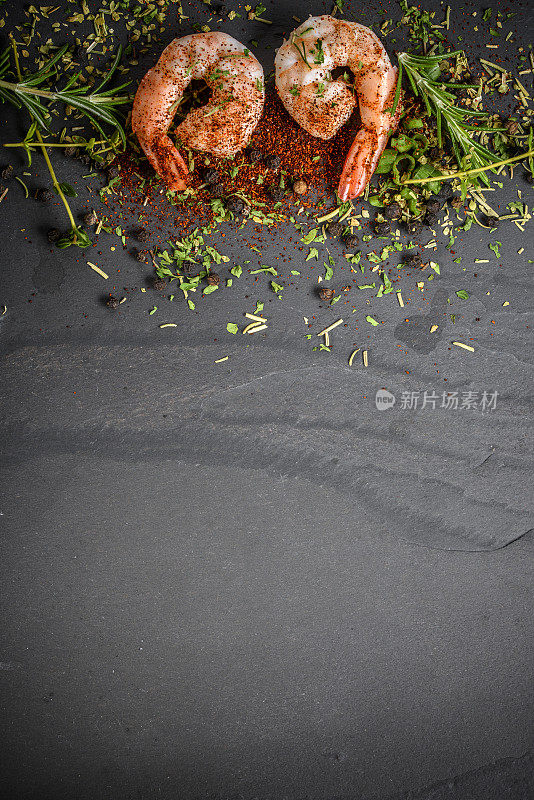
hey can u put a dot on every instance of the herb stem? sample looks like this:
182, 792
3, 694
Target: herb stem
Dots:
54, 179
53, 144
43, 146
19, 88
466, 173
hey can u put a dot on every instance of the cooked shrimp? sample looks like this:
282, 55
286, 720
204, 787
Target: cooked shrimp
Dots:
321, 105
223, 126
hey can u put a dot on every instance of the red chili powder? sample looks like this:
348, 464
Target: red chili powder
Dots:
317, 161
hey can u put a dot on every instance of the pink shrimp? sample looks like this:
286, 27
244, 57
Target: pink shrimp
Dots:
223, 126
321, 105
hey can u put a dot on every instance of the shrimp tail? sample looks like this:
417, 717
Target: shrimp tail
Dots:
167, 162
365, 152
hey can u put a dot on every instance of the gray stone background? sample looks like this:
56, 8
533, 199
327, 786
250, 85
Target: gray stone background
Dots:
241, 580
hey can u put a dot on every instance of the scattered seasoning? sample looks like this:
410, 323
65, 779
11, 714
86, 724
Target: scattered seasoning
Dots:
243, 185
25, 188
365, 358
220, 360
464, 346
169, 325
351, 357
97, 269
255, 318
433, 328
330, 327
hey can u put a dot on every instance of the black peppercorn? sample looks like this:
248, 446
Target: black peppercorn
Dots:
113, 302
113, 172
53, 235
433, 205
79, 52
446, 191
235, 205
255, 155
43, 195
415, 226
273, 162
382, 228
6, 173
142, 235
141, 255
529, 177
335, 229
90, 219
276, 193
350, 240
430, 219
159, 284
213, 279
210, 175
325, 293
300, 187
392, 211
216, 191
490, 220
71, 151
413, 260
456, 202
85, 160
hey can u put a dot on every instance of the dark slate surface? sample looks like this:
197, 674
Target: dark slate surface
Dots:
240, 580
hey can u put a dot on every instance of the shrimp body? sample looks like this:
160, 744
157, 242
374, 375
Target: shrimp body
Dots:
321, 105
223, 126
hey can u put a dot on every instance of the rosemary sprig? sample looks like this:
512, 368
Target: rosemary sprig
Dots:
97, 105
423, 74
75, 235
